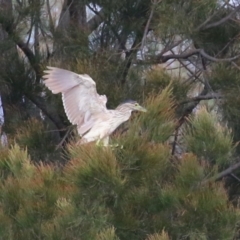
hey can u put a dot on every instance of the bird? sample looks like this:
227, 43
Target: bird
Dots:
85, 108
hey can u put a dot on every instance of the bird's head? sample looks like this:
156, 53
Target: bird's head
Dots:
132, 105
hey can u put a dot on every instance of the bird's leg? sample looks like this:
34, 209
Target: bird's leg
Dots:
98, 143
116, 145
105, 141
101, 143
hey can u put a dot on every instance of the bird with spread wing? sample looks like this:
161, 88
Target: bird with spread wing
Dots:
85, 107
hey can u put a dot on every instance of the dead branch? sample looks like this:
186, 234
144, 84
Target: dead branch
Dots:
50, 113
159, 59
223, 20
95, 21
51, 22
146, 29
204, 24
30, 56
187, 111
225, 172
201, 98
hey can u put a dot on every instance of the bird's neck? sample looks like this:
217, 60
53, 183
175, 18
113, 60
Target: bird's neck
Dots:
123, 113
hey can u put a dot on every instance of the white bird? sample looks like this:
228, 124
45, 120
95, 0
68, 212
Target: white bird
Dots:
85, 107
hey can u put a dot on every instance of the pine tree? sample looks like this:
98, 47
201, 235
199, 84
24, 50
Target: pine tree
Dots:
176, 175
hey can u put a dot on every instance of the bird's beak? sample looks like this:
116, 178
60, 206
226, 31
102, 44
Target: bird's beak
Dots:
141, 109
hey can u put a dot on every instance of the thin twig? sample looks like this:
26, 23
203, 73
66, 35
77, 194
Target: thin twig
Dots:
201, 26
70, 129
204, 54
147, 27
51, 23
162, 59
235, 177
225, 172
65, 12
235, 65
223, 20
201, 98
95, 21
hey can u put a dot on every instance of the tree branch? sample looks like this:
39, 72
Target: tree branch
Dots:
162, 59
51, 114
200, 27
170, 45
51, 22
30, 56
187, 111
201, 98
96, 20
146, 29
223, 20
129, 57
213, 59
165, 58
225, 172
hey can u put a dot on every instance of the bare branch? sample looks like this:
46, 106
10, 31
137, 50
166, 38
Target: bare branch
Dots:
211, 17
129, 58
122, 40
51, 23
30, 56
69, 130
162, 59
213, 59
225, 172
195, 75
223, 20
95, 21
203, 97
193, 102
170, 45
147, 25
235, 177
187, 111
30, 31
235, 65
50, 113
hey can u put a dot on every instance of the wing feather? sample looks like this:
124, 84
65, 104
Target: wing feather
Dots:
80, 99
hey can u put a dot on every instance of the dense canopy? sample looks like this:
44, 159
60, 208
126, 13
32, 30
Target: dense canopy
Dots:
177, 175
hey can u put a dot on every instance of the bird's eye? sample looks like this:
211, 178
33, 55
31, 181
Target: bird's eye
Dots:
136, 104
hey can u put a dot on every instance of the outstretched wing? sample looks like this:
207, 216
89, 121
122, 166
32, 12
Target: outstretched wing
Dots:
80, 98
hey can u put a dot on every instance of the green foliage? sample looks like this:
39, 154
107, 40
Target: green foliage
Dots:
102, 193
199, 203
190, 173
107, 234
196, 12
208, 139
215, 40
38, 139
28, 194
135, 192
157, 236
138, 190
159, 121
158, 79
225, 78
15, 162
